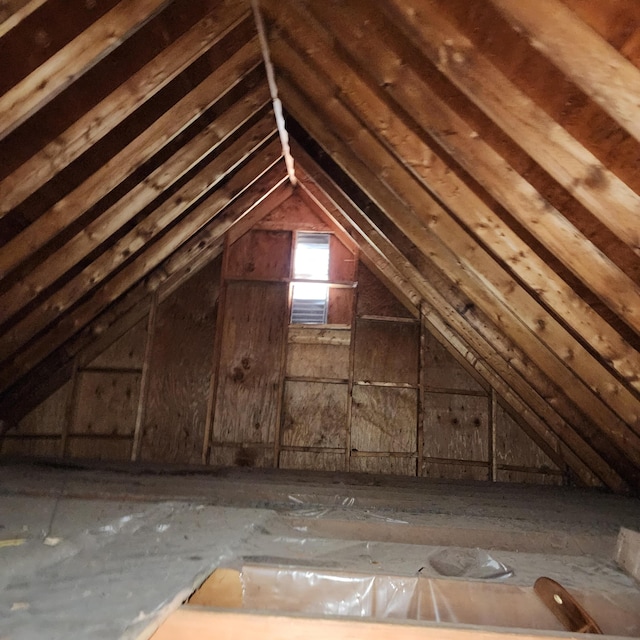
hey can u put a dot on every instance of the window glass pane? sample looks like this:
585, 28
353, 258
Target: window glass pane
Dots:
311, 261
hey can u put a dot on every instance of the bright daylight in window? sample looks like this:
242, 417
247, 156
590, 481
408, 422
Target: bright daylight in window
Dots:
311, 262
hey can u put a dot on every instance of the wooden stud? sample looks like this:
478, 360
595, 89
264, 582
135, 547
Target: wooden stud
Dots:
99, 231
577, 452
525, 204
144, 263
134, 155
144, 380
606, 76
109, 113
605, 195
80, 55
444, 240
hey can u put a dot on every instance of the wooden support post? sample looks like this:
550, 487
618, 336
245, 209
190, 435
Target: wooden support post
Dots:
144, 380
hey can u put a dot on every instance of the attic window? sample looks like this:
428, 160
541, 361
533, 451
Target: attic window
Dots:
309, 300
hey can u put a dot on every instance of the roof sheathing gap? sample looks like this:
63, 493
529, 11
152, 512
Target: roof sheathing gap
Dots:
273, 89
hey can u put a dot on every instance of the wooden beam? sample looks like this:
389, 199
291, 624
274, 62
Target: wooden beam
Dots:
441, 238
142, 265
73, 60
350, 157
99, 230
450, 326
134, 155
133, 93
586, 58
522, 201
485, 225
202, 623
19, 15
605, 195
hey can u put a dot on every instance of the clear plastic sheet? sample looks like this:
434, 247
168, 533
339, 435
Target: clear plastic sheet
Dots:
314, 506
322, 592
477, 564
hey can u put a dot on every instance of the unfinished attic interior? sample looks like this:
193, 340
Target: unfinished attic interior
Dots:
319, 317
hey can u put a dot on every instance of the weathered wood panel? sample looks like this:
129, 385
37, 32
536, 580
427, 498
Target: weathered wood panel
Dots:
294, 215
342, 262
241, 456
443, 471
456, 426
99, 448
384, 419
374, 299
251, 366
389, 465
312, 461
340, 310
180, 369
442, 371
314, 414
260, 255
127, 352
514, 447
49, 417
106, 403
386, 351
318, 353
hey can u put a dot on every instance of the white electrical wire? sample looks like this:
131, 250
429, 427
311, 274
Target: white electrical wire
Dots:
273, 89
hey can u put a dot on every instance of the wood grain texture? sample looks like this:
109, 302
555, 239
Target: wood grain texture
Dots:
529, 477
340, 309
456, 426
294, 215
387, 465
514, 447
384, 419
180, 369
312, 461
125, 353
49, 417
318, 353
342, 261
241, 456
250, 362
314, 414
260, 255
444, 471
386, 351
442, 371
374, 299
106, 403
98, 448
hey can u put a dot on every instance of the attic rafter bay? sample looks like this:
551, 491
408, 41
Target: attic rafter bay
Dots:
487, 226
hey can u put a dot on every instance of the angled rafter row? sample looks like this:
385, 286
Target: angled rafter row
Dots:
106, 115
135, 154
82, 53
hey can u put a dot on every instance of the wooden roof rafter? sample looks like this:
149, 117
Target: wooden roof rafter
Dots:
444, 244
446, 320
116, 107
471, 210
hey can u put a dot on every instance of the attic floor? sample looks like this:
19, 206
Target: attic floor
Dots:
106, 553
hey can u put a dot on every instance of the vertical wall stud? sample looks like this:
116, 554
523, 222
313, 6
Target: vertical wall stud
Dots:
352, 351
422, 363
70, 411
493, 422
144, 379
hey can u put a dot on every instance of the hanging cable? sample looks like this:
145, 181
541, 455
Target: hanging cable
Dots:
273, 89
